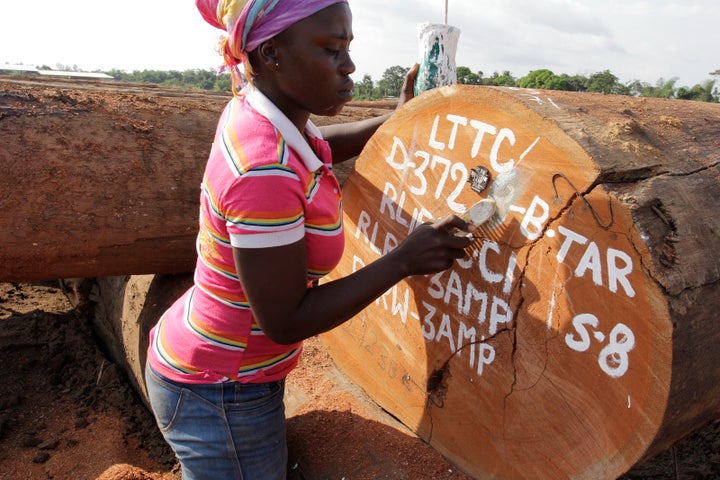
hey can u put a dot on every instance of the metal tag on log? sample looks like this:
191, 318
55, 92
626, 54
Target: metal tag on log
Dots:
479, 178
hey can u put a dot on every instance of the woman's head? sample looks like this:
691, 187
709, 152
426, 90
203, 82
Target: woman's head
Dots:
307, 67
248, 23
297, 54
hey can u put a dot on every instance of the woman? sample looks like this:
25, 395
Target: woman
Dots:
270, 227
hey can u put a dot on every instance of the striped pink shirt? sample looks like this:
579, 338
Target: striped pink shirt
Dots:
263, 186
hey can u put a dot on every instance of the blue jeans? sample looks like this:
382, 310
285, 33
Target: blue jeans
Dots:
222, 431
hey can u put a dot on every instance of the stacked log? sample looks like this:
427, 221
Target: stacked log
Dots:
103, 179
97, 180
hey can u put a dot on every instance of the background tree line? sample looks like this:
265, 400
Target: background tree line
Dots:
391, 82
202, 79
604, 82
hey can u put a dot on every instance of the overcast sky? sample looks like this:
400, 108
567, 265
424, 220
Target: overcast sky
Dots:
635, 40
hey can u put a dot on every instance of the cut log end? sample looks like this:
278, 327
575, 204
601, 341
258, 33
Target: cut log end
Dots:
547, 352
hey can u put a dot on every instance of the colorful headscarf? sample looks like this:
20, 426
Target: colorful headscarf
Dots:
248, 23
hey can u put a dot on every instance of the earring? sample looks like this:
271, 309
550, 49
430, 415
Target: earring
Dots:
277, 64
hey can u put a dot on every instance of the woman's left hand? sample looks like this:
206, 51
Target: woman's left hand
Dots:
407, 92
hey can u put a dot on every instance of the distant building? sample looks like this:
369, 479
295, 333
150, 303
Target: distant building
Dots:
62, 73
9, 68
12, 68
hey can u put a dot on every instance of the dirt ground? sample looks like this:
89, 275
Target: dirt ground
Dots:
68, 413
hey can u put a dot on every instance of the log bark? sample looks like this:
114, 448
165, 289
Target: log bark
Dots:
578, 337
103, 179
99, 178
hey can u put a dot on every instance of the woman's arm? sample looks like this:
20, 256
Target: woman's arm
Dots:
275, 281
348, 139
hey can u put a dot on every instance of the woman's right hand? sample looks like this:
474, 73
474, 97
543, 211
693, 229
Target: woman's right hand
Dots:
301, 312
433, 247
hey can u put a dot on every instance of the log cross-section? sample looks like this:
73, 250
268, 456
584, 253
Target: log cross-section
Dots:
576, 338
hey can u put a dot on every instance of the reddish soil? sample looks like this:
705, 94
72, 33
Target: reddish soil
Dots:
67, 412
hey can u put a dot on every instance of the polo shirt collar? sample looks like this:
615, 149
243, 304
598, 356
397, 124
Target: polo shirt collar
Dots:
290, 133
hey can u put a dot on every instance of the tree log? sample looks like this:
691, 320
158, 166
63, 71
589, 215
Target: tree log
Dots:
100, 179
579, 335
103, 178
124, 309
